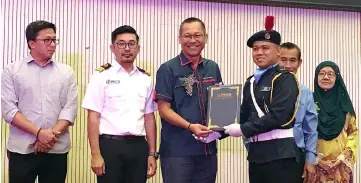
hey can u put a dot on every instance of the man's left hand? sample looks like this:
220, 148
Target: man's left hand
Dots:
152, 166
233, 130
309, 173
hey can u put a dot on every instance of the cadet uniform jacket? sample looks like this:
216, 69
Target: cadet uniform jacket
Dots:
276, 94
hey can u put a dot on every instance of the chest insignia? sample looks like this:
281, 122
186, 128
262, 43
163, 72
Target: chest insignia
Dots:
112, 81
188, 83
266, 88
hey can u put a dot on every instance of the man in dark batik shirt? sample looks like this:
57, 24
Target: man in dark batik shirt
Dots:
181, 94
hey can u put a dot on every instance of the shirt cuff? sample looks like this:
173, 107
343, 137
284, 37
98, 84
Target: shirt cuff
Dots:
68, 117
160, 96
9, 117
91, 108
311, 158
244, 132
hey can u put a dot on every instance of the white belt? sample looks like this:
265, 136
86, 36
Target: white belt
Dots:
274, 134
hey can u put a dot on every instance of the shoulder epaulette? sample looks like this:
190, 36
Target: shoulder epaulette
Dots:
143, 71
249, 77
103, 67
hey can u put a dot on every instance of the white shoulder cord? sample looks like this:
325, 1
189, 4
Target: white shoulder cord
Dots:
259, 111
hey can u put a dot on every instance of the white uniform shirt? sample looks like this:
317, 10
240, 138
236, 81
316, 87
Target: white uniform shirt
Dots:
122, 99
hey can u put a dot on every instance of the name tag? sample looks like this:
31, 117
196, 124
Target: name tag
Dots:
266, 88
112, 81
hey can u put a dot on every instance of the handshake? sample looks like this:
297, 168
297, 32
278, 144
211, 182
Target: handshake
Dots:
206, 135
45, 139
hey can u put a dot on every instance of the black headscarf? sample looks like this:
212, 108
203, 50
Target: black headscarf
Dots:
333, 105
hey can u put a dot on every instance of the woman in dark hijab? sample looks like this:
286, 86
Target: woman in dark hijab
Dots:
337, 131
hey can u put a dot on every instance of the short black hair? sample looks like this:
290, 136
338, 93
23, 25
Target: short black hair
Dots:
289, 45
124, 30
33, 29
191, 20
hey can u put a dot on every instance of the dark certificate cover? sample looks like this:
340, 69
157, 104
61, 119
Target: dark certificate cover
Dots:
224, 103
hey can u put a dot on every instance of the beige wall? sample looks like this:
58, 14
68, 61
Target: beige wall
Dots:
84, 29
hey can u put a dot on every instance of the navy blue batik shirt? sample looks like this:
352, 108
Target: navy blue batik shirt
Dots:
185, 89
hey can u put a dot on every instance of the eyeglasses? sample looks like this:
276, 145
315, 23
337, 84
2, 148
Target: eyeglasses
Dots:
49, 41
123, 45
329, 74
189, 37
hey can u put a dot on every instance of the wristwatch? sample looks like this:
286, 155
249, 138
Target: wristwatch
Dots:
154, 154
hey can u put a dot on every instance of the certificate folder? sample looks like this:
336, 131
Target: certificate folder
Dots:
224, 104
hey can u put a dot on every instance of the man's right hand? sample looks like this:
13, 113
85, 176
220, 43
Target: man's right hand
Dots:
45, 136
40, 147
98, 165
200, 130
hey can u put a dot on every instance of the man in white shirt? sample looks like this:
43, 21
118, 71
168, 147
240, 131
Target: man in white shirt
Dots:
121, 122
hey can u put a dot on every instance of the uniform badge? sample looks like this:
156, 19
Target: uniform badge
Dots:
267, 36
188, 83
266, 88
112, 81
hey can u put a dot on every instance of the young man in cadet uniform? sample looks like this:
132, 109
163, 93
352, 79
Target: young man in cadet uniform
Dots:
268, 113
121, 123
181, 94
305, 129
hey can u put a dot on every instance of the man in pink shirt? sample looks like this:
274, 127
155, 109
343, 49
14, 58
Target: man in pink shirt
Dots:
39, 101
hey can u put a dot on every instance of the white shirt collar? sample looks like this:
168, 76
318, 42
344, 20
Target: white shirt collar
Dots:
118, 67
